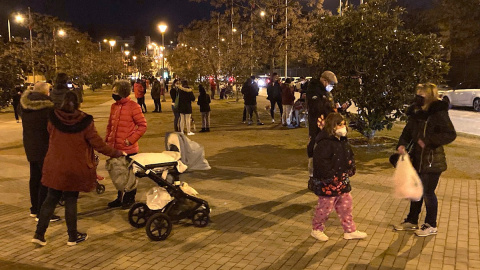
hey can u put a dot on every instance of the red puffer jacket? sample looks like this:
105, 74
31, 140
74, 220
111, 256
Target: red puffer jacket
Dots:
126, 122
138, 90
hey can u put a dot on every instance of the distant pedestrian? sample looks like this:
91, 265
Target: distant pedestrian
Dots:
185, 99
250, 93
162, 89
69, 165
174, 95
333, 165
274, 94
126, 125
155, 93
319, 104
213, 87
36, 105
17, 93
140, 91
60, 88
288, 98
204, 103
428, 129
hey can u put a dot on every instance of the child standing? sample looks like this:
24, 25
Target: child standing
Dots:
333, 164
204, 103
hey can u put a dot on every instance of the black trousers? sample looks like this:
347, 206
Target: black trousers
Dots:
272, 107
158, 105
48, 208
38, 192
430, 182
141, 102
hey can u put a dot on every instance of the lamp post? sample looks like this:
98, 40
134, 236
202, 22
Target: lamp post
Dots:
163, 27
31, 41
112, 43
286, 38
18, 18
135, 64
126, 61
61, 33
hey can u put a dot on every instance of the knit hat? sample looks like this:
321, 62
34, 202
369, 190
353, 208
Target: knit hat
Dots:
41, 87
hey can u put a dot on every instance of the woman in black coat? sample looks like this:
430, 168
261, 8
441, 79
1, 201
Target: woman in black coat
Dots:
428, 128
185, 99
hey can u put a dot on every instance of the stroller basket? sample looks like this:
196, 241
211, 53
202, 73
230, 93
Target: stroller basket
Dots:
158, 223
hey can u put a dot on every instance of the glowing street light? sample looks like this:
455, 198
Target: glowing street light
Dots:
163, 27
126, 53
112, 42
105, 40
61, 33
262, 13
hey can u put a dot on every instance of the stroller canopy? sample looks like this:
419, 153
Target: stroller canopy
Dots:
192, 154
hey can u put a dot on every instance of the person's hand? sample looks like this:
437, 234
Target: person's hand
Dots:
421, 143
127, 142
124, 154
401, 150
321, 122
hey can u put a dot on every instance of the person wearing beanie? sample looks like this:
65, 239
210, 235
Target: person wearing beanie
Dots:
35, 105
70, 165
125, 127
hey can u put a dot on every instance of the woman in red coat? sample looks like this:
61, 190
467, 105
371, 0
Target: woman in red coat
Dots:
125, 127
69, 165
140, 91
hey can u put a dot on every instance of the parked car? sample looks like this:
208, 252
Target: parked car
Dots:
464, 95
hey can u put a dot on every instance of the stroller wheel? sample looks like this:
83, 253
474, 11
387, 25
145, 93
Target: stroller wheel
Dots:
200, 218
100, 188
138, 215
158, 227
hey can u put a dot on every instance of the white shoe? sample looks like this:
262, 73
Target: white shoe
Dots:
190, 133
426, 230
273, 120
354, 235
319, 235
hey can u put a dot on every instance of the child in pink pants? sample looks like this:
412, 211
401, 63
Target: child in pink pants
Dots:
333, 164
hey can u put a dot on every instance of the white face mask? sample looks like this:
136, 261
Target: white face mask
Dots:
329, 87
342, 132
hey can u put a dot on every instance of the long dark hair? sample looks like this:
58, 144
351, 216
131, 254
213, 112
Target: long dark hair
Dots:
202, 90
333, 120
70, 102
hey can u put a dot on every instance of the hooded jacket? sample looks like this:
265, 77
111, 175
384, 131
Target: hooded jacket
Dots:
250, 94
58, 94
333, 164
156, 91
139, 90
70, 161
35, 108
288, 97
126, 122
435, 129
185, 99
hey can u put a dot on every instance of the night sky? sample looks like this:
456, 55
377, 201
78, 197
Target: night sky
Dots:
106, 18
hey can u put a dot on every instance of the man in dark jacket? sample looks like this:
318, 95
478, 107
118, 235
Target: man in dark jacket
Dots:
36, 105
155, 92
59, 89
320, 104
250, 93
274, 94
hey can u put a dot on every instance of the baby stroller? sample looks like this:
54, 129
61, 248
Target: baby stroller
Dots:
164, 169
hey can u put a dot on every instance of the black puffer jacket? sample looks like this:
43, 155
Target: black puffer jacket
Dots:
35, 109
185, 99
333, 164
435, 129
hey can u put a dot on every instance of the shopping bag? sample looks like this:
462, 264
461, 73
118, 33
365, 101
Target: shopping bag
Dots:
121, 173
406, 180
158, 198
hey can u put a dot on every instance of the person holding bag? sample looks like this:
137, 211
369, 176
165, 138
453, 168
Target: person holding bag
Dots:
333, 165
429, 128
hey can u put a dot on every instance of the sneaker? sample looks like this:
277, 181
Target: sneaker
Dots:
260, 124
72, 241
33, 215
319, 235
273, 120
115, 203
52, 219
39, 240
354, 235
190, 133
405, 226
291, 126
426, 230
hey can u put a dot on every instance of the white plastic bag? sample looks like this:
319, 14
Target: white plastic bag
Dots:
157, 198
407, 182
188, 189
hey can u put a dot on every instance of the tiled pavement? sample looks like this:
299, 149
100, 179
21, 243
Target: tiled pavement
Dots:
260, 220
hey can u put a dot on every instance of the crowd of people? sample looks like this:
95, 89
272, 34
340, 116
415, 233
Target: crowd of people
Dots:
60, 140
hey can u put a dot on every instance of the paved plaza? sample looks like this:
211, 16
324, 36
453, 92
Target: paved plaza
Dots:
261, 207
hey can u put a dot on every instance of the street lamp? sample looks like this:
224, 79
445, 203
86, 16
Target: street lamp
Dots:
19, 18
126, 61
163, 27
112, 43
60, 33
262, 13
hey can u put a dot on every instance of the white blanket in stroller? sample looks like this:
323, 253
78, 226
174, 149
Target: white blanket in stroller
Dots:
156, 158
191, 153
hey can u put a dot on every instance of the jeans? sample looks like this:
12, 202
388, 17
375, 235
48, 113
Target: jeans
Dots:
176, 119
38, 192
343, 206
272, 107
185, 119
205, 119
48, 208
141, 102
286, 115
429, 182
